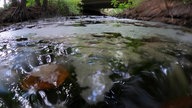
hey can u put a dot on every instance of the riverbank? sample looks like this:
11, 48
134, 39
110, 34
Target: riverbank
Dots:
172, 12
15, 14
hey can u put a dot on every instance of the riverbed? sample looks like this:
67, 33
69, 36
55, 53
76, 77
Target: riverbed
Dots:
110, 62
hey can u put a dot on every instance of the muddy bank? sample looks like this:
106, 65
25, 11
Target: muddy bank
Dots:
172, 12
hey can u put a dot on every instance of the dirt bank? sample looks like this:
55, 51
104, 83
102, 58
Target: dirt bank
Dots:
15, 14
172, 12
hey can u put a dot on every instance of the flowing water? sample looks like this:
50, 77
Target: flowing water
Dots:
95, 62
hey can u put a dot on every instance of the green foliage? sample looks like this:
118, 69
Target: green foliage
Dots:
64, 7
30, 3
60, 5
111, 11
115, 3
71, 7
74, 6
125, 5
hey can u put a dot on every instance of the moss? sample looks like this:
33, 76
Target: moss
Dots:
135, 43
112, 34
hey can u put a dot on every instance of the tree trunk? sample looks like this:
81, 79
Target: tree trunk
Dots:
23, 4
37, 3
45, 3
4, 4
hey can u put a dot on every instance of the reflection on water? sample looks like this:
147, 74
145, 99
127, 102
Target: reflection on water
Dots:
100, 70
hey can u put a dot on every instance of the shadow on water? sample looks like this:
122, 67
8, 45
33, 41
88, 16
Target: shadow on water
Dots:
139, 73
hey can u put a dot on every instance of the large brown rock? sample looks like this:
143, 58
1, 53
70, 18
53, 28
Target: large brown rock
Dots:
45, 77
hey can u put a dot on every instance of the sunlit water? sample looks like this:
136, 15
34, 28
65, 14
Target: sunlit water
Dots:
113, 63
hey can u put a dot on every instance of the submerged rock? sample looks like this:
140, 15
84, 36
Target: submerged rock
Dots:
108, 35
45, 77
21, 39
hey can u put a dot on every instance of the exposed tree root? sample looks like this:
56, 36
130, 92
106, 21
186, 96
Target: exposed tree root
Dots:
17, 14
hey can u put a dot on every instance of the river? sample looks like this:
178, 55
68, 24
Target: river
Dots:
94, 62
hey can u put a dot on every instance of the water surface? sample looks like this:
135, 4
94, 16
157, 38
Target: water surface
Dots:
114, 63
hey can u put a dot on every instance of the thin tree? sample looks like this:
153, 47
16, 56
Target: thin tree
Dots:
45, 3
4, 4
23, 4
